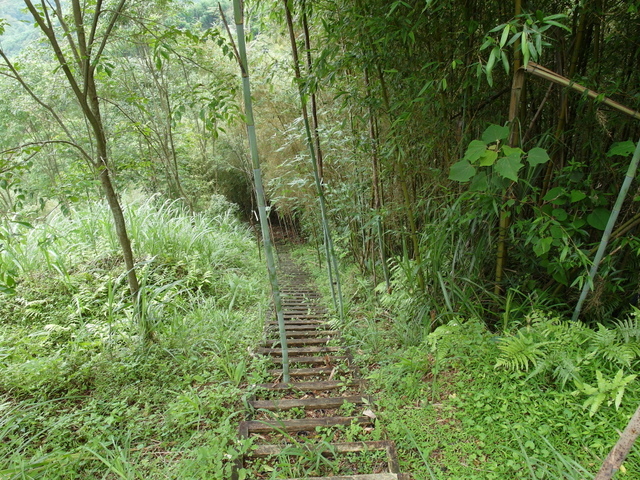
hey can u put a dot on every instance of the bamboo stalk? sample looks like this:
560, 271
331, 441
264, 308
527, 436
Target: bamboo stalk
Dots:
257, 176
631, 173
542, 72
332, 262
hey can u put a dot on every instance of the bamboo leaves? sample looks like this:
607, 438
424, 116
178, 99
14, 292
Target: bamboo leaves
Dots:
526, 32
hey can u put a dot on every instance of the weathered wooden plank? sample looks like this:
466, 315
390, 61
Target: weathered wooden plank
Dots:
330, 360
311, 333
348, 447
308, 386
370, 476
302, 424
298, 350
293, 326
298, 341
304, 372
307, 403
392, 458
302, 320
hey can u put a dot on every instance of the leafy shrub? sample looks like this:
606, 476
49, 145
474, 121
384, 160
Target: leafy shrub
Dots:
570, 351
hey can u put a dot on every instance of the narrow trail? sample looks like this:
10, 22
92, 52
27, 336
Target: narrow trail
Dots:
321, 423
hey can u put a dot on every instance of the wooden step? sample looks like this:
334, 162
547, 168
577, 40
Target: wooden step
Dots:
298, 350
309, 386
370, 476
300, 424
306, 320
327, 360
314, 326
305, 372
308, 403
299, 292
298, 341
305, 300
347, 447
310, 333
305, 308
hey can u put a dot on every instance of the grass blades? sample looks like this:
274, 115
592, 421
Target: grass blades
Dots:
82, 395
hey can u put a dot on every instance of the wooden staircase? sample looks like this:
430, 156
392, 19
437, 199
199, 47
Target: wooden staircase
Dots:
307, 417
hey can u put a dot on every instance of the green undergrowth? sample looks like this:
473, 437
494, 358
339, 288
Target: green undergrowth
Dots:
82, 395
544, 399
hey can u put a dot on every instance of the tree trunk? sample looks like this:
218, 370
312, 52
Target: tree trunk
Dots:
621, 449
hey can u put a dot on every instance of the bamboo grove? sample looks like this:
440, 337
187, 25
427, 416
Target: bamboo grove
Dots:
467, 154
440, 183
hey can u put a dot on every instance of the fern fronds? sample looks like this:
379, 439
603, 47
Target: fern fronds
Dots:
605, 342
567, 369
628, 329
520, 352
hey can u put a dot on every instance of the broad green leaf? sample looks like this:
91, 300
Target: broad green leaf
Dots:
505, 62
488, 158
542, 246
479, 182
556, 230
623, 149
505, 35
577, 195
560, 214
537, 156
578, 223
560, 276
524, 46
554, 196
492, 58
508, 151
598, 218
494, 133
462, 171
508, 167
475, 150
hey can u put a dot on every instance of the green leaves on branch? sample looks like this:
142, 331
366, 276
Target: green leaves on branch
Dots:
526, 32
503, 160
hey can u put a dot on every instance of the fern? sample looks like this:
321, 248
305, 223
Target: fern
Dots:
628, 330
567, 369
520, 352
605, 342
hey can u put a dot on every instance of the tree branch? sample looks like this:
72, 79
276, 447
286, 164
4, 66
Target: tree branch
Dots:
32, 94
51, 142
112, 23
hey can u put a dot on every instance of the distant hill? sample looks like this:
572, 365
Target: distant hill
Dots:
20, 30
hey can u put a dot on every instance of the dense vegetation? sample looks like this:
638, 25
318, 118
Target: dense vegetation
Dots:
465, 213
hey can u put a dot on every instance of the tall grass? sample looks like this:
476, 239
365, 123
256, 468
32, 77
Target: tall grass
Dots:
80, 395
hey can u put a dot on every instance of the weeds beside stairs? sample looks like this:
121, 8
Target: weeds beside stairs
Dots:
320, 423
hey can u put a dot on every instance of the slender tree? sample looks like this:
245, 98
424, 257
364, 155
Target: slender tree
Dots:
78, 49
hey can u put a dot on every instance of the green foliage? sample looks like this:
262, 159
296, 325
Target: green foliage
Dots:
82, 396
529, 30
612, 391
573, 352
502, 159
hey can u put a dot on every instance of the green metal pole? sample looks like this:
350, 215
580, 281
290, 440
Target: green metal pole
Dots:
631, 173
257, 178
